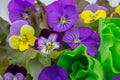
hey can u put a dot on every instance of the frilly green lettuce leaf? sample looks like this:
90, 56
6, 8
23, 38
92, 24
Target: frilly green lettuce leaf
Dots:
80, 66
109, 50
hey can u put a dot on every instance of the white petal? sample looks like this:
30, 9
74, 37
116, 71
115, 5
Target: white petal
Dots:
56, 45
43, 50
114, 3
42, 41
52, 37
92, 1
47, 2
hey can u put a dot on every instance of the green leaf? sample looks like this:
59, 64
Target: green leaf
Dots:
80, 66
32, 59
109, 50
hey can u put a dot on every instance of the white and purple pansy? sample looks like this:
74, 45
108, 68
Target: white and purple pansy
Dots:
48, 44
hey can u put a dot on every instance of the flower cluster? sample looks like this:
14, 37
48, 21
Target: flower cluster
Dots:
59, 42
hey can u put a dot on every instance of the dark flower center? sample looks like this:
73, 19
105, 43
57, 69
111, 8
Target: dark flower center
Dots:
63, 20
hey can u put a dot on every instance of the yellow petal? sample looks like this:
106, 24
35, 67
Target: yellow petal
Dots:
27, 31
23, 46
86, 15
117, 9
14, 42
100, 14
32, 40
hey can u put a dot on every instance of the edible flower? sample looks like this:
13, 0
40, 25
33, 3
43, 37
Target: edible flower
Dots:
20, 10
58, 73
21, 35
61, 15
83, 35
15, 72
92, 13
48, 41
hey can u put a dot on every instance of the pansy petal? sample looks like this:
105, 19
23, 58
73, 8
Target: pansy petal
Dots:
43, 50
8, 76
56, 45
27, 31
100, 14
118, 9
58, 73
67, 2
32, 40
30, 1
23, 46
86, 14
14, 42
92, 7
74, 45
117, 77
16, 26
92, 47
55, 6
52, 37
20, 76
70, 35
85, 32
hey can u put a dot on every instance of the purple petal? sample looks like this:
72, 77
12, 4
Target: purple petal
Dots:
67, 2
55, 6
70, 35
116, 77
14, 69
40, 43
94, 7
85, 32
74, 45
20, 76
15, 27
8, 76
30, 1
57, 73
92, 46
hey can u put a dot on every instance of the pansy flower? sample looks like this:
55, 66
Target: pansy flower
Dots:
58, 73
15, 72
82, 35
48, 42
18, 10
92, 13
21, 35
116, 13
61, 15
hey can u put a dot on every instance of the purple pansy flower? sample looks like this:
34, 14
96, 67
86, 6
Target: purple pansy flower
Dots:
48, 41
15, 72
83, 35
61, 15
18, 10
95, 7
53, 73
116, 77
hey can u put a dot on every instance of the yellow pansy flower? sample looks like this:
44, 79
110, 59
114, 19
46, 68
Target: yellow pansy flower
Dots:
24, 40
88, 16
